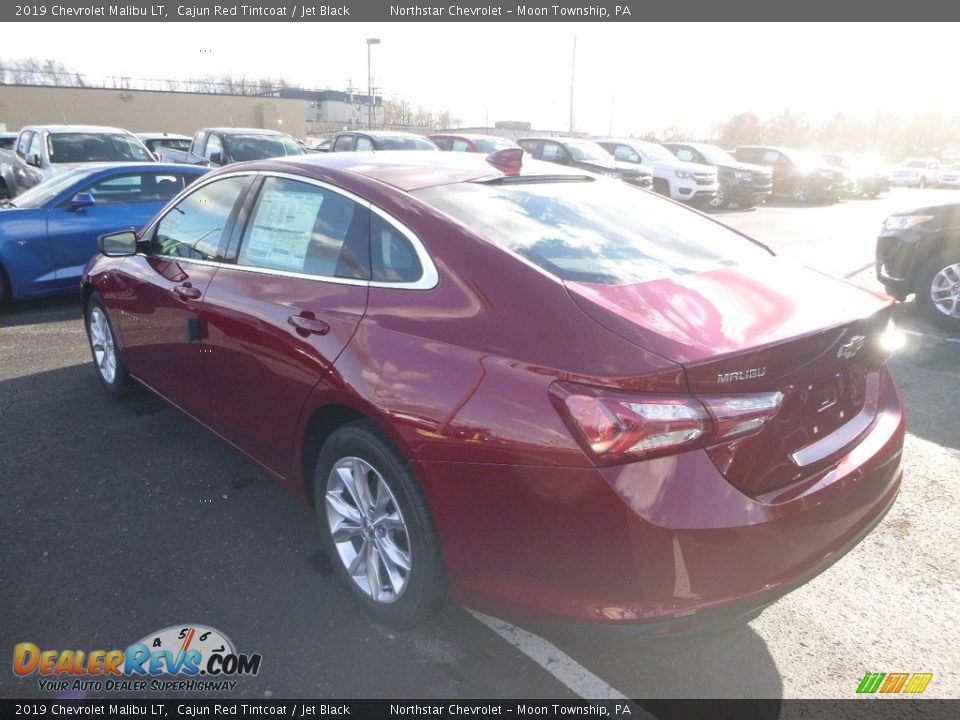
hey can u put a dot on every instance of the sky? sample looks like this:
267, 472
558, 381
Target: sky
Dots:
627, 78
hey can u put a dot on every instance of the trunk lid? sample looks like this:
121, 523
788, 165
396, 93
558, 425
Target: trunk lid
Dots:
763, 327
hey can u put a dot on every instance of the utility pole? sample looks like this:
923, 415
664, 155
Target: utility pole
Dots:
370, 41
573, 69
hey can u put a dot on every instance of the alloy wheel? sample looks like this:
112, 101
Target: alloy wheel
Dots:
945, 290
368, 529
102, 343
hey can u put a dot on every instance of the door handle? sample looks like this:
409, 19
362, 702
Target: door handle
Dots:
187, 292
307, 324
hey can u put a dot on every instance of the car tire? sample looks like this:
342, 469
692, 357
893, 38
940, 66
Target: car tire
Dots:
384, 547
722, 198
938, 289
661, 187
923, 183
802, 192
105, 350
3, 190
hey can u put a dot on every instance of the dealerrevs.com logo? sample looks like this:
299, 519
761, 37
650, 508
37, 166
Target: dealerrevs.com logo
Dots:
180, 658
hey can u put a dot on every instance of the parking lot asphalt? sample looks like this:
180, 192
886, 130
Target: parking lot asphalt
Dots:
118, 519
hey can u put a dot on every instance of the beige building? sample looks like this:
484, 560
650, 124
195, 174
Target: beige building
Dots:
147, 110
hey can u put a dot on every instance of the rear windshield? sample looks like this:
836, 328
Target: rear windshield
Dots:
603, 232
261, 147
404, 143
94, 147
489, 145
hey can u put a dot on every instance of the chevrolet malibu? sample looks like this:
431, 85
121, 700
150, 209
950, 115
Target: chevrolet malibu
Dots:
546, 394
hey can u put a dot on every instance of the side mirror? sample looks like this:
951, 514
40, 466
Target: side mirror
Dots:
118, 244
33, 159
81, 200
216, 159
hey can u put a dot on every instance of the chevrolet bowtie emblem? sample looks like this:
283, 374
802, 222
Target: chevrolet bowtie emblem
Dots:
851, 347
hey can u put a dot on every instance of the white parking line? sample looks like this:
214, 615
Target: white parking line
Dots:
564, 668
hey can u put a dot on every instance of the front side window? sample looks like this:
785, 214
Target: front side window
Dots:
772, 157
194, 226
36, 145
214, 147
602, 232
461, 146
137, 187
24, 143
302, 228
685, 155
552, 152
626, 154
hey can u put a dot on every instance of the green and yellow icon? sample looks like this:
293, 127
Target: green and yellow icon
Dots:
894, 683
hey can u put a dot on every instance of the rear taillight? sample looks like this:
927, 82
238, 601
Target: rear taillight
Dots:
615, 427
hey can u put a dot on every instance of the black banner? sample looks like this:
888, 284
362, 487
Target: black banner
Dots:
154, 709
491, 11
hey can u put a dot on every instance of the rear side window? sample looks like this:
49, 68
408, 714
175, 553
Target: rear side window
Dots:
193, 227
24, 143
461, 146
442, 142
392, 254
363, 143
302, 228
602, 232
344, 142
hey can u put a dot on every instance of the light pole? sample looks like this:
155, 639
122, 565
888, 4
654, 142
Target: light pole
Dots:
370, 41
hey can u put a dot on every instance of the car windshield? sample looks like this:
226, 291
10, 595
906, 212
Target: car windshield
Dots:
600, 232
914, 163
7, 143
95, 147
587, 152
489, 145
655, 152
718, 156
41, 194
174, 143
398, 142
261, 147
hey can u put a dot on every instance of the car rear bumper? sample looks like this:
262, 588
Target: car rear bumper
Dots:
667, 543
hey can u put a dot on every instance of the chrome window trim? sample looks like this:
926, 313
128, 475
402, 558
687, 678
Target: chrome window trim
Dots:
428, 279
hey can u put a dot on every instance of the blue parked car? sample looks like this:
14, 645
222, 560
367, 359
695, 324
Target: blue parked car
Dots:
49, 232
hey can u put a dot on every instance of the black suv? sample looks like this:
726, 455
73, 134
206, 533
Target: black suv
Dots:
919, 252
802, 177
358, 140
586, 155
741, 183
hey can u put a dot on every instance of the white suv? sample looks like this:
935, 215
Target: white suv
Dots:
917, 172
685, 181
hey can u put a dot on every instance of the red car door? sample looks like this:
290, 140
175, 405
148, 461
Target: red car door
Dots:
278, 316
161, 293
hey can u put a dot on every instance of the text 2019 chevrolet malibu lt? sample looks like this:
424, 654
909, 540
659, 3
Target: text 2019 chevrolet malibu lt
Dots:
548, 395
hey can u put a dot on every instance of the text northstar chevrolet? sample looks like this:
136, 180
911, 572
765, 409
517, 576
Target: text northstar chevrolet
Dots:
550, 395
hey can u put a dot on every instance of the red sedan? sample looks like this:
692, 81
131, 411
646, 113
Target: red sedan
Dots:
547, 394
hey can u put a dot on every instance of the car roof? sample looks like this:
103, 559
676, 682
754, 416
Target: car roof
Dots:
245, 131
160, 135
469, 136
382, 133
111, 167
62, 129
406, 170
